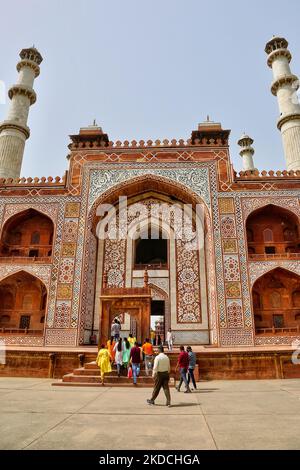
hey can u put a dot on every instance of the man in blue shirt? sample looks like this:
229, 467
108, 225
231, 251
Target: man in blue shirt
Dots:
192, 365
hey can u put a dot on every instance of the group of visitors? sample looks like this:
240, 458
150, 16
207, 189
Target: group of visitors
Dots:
124, 353
129, 354
186, 364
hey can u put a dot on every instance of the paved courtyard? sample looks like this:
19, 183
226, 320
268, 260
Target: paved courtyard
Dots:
220, 415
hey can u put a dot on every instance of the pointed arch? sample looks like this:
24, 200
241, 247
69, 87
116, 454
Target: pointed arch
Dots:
142, 184
277, 312
257, 270
27, 234
26, 309
275, 230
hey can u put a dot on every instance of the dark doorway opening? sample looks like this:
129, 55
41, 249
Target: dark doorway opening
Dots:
270, 250
24, 322
33, 253
151, 252
158, 320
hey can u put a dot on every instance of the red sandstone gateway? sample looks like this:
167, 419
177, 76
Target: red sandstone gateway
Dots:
105, 242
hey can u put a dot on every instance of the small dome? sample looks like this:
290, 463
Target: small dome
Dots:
276, 43
245, 140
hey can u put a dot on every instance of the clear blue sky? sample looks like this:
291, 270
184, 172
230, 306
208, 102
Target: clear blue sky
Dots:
148, 69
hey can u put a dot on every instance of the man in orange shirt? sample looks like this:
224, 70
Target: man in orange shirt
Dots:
147, 349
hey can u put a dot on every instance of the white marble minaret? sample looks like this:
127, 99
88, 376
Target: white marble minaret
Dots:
247, 152
14, 130
284, 87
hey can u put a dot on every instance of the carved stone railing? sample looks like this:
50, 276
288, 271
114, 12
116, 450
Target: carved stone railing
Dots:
25, 260
259, 175
150, 267
272, 256
126, 291
20, 331
141, 144
58, 181
276, 331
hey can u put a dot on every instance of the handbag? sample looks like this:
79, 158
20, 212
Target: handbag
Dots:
129, 375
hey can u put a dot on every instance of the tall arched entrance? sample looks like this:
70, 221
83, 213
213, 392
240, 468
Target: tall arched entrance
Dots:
175, 264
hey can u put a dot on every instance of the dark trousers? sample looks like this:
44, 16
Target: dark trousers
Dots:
162, 380
183, 378
191, 377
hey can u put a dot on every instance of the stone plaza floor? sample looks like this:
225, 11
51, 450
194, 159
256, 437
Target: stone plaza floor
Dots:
220, 415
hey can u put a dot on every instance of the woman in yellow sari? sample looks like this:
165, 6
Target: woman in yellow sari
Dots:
110, 346
103, 362
132, 340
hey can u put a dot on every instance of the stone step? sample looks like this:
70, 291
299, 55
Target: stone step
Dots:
96, 371
89, 376
95, 384
110, 379
93, 366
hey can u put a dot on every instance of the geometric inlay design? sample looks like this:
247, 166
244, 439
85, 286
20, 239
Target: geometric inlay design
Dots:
230, 245
231, 268
226, 205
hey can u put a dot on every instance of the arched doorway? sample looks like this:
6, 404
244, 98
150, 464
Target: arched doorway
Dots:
116, 261
28, 234
23, 300
276, 302
273, 232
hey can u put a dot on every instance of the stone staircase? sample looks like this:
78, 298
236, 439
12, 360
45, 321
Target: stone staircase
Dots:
89, 376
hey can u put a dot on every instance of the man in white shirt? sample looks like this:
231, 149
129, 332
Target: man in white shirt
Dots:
115, 329
161, 375
170, 339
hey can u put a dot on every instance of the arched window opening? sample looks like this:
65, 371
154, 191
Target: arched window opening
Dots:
296, 298
27, 302
273, 232
23, 300
268, 235
279, 293
289, 234
16, 238
27, 235
24, 322
275, 300
35, 238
